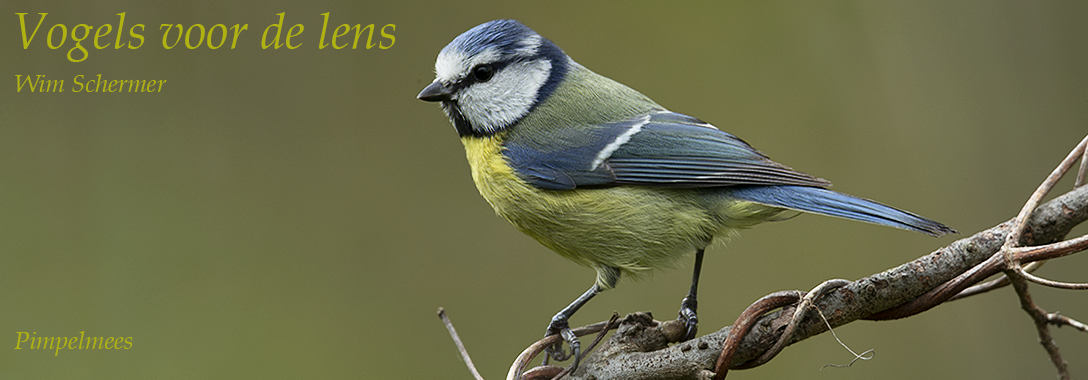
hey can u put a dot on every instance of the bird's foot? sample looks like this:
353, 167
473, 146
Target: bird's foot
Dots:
687, 313
560, 326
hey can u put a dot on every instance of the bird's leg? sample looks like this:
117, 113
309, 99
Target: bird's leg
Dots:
689, 304
560, 325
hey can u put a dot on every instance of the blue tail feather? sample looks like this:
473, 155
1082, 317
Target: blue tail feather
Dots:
826, 202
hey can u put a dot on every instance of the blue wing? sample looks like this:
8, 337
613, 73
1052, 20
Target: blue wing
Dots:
659, 149
675, 150
830, 203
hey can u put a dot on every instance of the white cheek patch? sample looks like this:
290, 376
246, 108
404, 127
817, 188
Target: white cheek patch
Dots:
506, 98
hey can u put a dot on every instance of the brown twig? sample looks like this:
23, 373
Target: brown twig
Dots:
744, 323
1061, 320
1051, 283
1003, 280
1083, 169
1021, 220
1039, 316
1019, 277
996, 283
1008, 257
807, 302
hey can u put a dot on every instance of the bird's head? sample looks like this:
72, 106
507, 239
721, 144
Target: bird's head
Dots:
491, 76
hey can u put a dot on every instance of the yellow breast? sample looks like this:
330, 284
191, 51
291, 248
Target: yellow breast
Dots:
627, 227
493, 176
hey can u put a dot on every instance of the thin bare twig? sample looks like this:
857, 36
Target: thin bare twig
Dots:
977, 289
1052, 250
857, 356
996, 283
1044, 188
1003, 280
1059, 320
1053, 284
1008, 257
1035, 257
604, 330
457, 341
1083, 168
1019, 278
1040, 317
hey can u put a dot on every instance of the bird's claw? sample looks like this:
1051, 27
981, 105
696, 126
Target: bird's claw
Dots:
687, 313
560, 326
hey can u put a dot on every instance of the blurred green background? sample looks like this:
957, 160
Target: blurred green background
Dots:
299, 214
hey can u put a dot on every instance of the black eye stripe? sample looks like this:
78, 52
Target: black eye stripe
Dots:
470, 77
495, 68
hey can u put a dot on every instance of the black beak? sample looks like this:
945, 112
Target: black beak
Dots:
435, 92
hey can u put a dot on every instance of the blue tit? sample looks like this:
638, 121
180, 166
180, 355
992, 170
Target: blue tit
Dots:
606, 177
